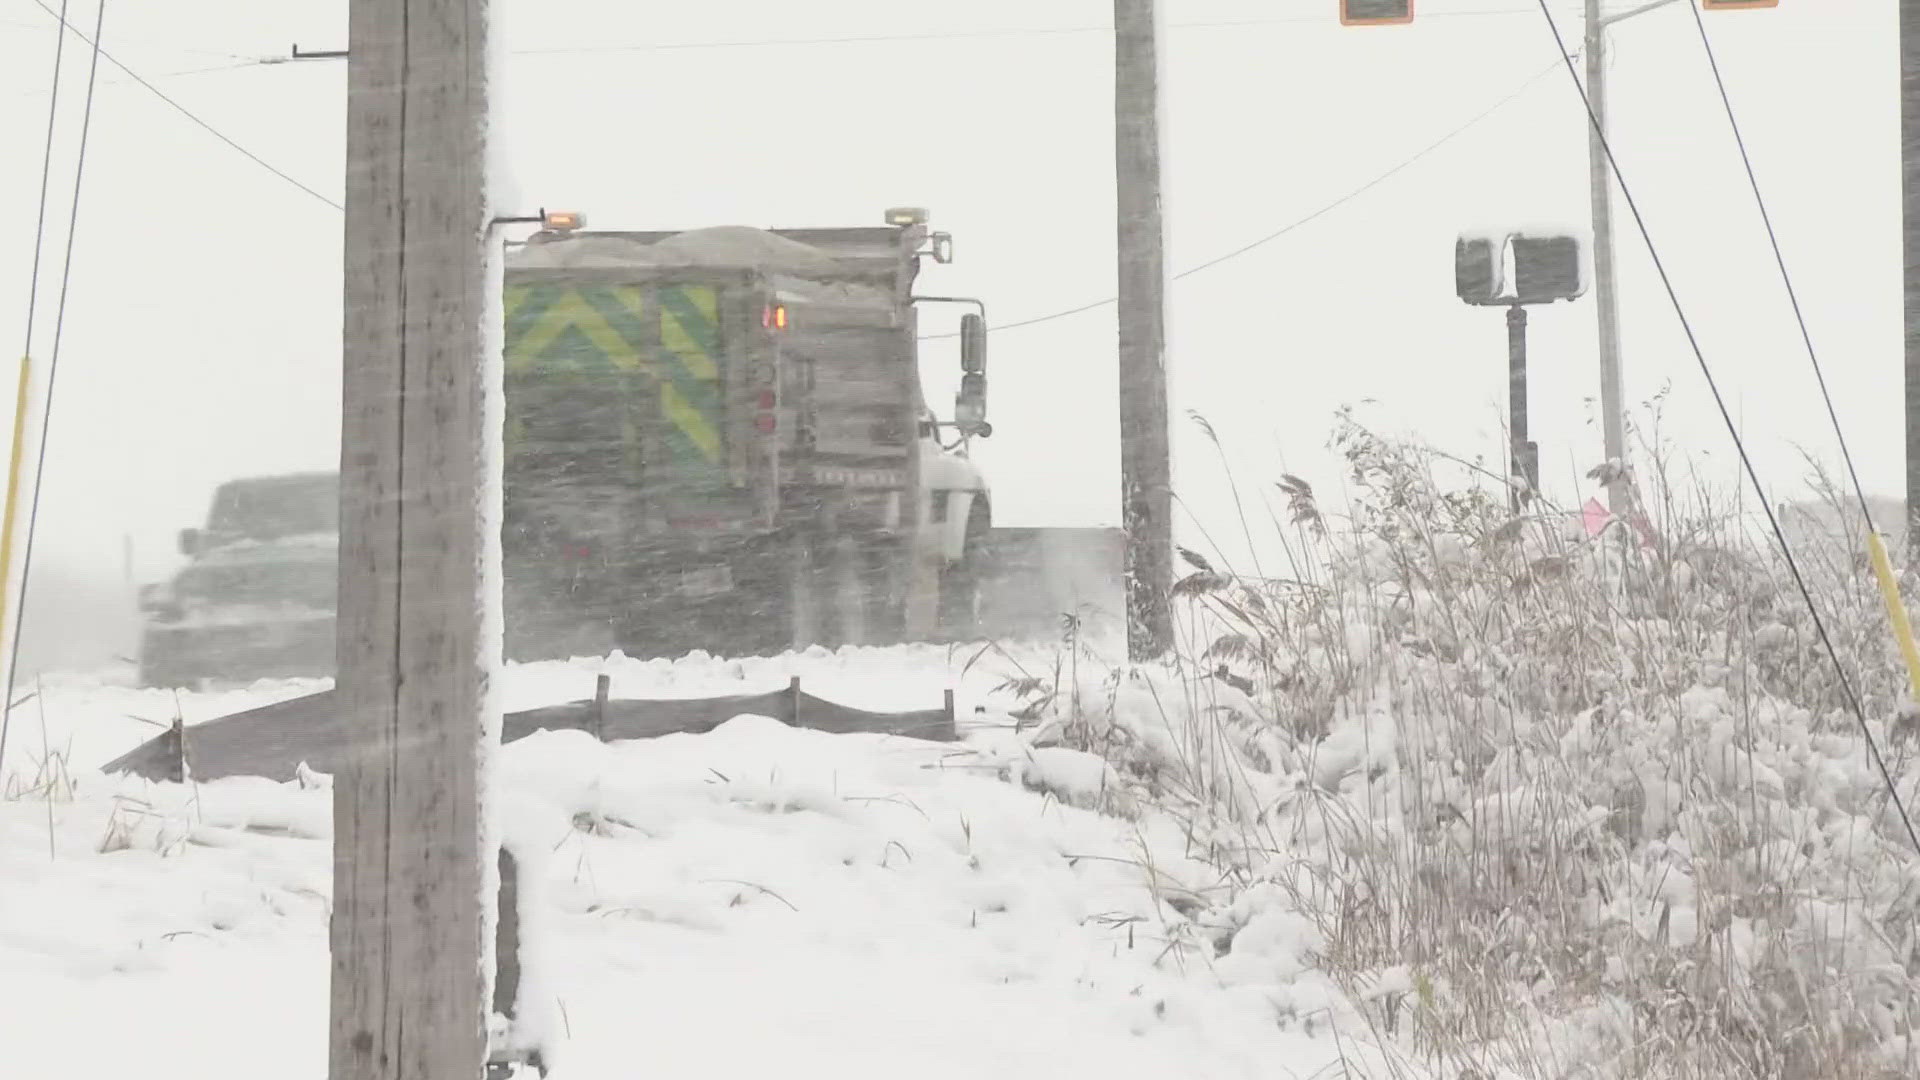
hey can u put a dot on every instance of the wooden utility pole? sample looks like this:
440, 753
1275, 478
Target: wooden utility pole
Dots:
1613, 419
408, 991
1910, 232
1146, 487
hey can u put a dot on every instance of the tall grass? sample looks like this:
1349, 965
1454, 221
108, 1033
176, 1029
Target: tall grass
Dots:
1588, 807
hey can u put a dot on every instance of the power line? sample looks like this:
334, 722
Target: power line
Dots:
46, 173
53, 366
53, 359
669, 46
1323, 211
265, 61
22, 404
188, 113
1739, 443
952, 35
1376, 181
1780, 259
40, 26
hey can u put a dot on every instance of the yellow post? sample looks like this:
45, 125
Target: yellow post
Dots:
22, 408
1896, 610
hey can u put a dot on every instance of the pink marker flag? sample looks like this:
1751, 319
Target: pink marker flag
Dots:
1595, 517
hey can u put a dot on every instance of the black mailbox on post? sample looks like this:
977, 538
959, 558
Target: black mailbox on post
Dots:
1547, 268
1545, 264
1478, 268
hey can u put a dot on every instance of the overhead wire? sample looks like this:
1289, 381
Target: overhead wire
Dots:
33, 308
1780, 260
18, 614
46, 173
949, 35
1733, 430
24, 25
1376, 181
1899, 621
147, 84
244, 62
188, 113
236, 65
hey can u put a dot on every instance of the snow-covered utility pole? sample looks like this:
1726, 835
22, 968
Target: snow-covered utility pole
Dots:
409, 917
1146, 482
1910, 231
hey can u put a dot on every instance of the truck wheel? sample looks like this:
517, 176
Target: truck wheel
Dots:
170, 677
155, 677
847, 578
803, 607
830, 592
161, 670
960, 583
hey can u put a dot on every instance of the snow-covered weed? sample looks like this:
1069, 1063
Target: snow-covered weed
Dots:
51, 779
1584, 807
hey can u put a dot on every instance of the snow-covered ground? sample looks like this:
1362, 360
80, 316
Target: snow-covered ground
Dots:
755, 901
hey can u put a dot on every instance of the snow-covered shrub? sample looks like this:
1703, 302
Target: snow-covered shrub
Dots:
1590, 807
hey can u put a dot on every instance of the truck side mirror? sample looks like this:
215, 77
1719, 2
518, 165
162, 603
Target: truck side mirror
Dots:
970, 405
189, 542
973, 344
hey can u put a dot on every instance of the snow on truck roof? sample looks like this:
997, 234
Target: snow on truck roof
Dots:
723, 246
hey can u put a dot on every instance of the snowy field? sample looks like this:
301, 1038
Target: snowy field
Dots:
755, 901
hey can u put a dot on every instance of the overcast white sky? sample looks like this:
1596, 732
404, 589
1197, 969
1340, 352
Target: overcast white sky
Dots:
202, 335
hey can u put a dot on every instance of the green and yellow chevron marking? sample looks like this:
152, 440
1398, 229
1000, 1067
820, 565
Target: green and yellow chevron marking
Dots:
567, 328
690, 390
557, 329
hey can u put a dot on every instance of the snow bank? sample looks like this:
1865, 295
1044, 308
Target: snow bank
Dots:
871, 906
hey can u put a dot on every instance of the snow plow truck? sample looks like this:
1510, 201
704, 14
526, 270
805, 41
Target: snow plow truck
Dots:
717, 439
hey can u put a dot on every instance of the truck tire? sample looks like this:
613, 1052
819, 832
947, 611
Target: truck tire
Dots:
961, 581
803, 595
832, 592
162, 668
158, 676
847, 600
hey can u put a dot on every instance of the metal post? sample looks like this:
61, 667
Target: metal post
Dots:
1910, 232
417, 547
1526, 455
1146, 488
1600, 180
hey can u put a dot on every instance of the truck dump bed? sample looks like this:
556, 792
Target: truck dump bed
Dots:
660, 363
682, 407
